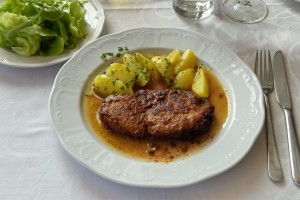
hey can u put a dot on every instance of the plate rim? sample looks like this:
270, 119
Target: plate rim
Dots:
67, 54
155, 184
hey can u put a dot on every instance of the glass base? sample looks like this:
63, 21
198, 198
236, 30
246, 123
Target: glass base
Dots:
194, 9
245, 11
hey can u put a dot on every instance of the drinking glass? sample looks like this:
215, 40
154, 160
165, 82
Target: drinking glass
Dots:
194, 9
245, 11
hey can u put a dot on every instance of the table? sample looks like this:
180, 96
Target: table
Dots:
33, 165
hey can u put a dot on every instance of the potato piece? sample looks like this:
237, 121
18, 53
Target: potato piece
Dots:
106, 85
165, 68
188, 60
122, 72
142, 75
200, 83
184, 79
174, 56
160, 64
149, 64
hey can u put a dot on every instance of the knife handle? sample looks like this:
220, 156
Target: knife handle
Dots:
293, 146
274, 166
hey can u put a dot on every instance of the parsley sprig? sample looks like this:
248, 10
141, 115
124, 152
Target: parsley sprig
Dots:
104, 56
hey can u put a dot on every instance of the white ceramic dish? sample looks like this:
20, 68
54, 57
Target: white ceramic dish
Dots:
95, 20
245, 120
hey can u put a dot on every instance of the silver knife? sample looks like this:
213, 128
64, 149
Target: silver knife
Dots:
283, 97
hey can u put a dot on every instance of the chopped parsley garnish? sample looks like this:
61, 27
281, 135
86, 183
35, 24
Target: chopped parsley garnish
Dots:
136, 77
103, 56
118, 55
110, 53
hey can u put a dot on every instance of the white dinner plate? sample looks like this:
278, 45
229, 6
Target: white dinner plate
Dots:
243, 125
95, 20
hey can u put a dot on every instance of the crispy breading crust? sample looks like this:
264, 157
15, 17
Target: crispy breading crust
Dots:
157, 113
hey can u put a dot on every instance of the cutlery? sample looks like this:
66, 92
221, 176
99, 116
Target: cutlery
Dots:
283, 98
263, 70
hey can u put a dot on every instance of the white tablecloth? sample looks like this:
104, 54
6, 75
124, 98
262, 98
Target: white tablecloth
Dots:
34, 166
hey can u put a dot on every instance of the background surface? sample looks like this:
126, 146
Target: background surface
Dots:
34, 166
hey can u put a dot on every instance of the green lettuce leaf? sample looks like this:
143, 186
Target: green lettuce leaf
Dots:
27, 41
10, 20
52, 46
44, 27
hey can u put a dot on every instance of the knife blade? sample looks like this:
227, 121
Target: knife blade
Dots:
284, 99
280, 81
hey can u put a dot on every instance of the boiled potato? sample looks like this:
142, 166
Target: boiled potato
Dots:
174, 56
122, 72
165, 68
142, 75
200, 83
106, 85
184, 79
148, 63
177, 71
188, 60
160, 64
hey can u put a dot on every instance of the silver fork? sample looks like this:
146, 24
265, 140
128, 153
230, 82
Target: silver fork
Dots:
263, 70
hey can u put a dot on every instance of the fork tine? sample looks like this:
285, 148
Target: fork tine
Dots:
270, 73
265, 66
256, 67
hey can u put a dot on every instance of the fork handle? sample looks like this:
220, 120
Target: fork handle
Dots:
274, 165
293, 146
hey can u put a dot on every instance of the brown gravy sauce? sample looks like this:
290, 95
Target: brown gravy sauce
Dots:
158, 150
